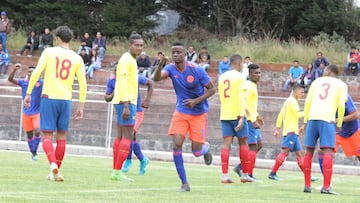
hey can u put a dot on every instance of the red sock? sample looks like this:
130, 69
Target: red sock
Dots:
307, 169
225, 153
327, 169
60, 151
48, 149
300, 162
244, 158
278, 161
252, 157
123, 152
115, 150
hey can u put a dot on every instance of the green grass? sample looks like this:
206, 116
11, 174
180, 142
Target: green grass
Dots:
87, 180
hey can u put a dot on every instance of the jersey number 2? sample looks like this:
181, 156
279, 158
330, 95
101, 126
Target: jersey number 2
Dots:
226, 90
63, 71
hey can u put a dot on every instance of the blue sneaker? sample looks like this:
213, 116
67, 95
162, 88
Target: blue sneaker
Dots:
143, 164
273, 176
237, 170
126, 166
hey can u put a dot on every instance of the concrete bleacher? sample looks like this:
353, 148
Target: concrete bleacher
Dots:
93, 129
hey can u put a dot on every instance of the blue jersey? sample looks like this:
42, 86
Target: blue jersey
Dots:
111, 86
349, 128
189, 84
35, 96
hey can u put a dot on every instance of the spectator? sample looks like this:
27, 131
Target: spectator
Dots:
191, 55
224, 65
320, 58
308, 76
5, 27
349, 59
86, 42
352, 66
46, 41
4, 61
204, 58
32, 43
318, 71
245, 69
2, 48
100, 43
95, 64
295, 73
157, 61
144, 64
86, 58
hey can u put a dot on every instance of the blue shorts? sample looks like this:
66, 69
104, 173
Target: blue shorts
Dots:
316, 129
292, 142
254, 134
228, 128
132, 118
54, 114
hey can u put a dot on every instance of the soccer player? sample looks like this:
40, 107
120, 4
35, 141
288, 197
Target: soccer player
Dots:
288, 117
125, 98
189, 81
253, 118
327, 95
135, 146
60, 65
31, 116
232, 90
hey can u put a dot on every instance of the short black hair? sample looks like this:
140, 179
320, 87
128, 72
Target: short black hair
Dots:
234, 58
134, 36
31, 67
334, 69
64, 33
253, 66
296, 61
297, 86
178, 44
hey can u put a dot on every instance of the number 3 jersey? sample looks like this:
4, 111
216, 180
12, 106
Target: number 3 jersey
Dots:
232, 93
60, 66
325, 95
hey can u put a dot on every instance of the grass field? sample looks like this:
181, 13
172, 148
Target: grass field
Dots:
87, 180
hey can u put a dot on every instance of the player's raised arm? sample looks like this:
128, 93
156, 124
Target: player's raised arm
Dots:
159, 74
12, 74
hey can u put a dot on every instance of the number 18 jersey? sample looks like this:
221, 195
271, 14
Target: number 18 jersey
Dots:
324, 97
60, 65
232, 89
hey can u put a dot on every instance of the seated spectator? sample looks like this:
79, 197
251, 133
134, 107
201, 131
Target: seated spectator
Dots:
160, 55
95, 64
144, 64
349, 58
46, 41
320, 59
295, 73
86, 58
2, 48
204, 58
86, 42
4, 61
245, 69
191, 55
352, 66
32, 43
319, 71
100, 43
224, 65
308, 76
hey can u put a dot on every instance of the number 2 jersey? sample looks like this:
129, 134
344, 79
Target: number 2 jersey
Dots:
326, 96
232, 90
60, 66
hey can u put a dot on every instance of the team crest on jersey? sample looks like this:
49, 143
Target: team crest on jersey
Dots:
37, 84
190, 78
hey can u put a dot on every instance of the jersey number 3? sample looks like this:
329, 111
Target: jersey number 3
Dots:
325, 92
63, 71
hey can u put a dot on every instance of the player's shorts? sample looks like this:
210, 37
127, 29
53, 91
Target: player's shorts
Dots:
195, 125
316, 129
254, 134
54, 114
350, 145
139, 120
292, 142
119, 110
228, 128
31, 122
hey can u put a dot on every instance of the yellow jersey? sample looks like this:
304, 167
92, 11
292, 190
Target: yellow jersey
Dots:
231, 88
289, 116
251, 101
126, 86
326, 96
60, 65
